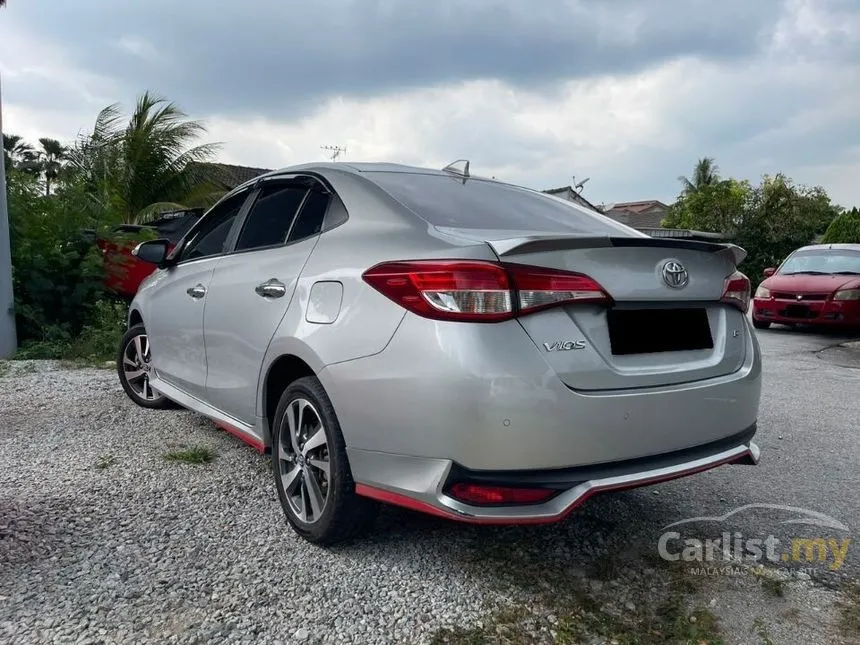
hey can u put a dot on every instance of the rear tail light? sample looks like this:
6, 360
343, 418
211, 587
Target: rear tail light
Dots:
479, 291
737, 291
484, 495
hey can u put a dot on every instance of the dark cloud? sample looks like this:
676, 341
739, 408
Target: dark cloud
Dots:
281, 57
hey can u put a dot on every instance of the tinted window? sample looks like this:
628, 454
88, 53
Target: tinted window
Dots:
310, 219
209, 238
271, 216
447, 201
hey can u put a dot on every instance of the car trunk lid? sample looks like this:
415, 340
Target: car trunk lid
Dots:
652, 334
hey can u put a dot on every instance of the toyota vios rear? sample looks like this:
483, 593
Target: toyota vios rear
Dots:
466, 348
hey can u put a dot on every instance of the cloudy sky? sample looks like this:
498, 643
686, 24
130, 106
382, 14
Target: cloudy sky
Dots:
627, 92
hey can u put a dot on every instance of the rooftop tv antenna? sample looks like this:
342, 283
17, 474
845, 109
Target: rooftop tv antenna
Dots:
452, 168
334, 151
578, 186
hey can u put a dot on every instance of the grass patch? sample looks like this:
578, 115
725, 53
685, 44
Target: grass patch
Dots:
4, 368
770, 582
761, 631
191, 455
105, 461
508, 626
849, 620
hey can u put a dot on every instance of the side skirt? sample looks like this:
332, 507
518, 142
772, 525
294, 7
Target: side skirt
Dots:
225, 422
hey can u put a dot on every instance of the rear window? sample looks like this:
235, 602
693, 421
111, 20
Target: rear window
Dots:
479, 204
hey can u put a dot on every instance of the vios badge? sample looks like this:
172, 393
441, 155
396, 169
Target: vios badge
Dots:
564, 345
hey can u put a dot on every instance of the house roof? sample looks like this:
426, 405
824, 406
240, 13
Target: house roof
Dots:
228, 176
639, 215
570, 194
640, 207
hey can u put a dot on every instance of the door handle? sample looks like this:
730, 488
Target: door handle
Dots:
271, 289
197, 291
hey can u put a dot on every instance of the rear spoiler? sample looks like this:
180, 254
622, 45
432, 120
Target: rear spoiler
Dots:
542, 243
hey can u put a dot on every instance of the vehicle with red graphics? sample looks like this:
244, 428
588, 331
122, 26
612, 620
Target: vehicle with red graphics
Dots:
123, 271
450, 343
816, 285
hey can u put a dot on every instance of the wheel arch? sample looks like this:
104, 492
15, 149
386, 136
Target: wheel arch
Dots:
134, 318
283, 370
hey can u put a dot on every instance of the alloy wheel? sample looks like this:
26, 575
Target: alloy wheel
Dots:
303, 458
136, 367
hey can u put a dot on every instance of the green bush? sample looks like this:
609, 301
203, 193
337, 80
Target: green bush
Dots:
57, 272
99, 339
844, 229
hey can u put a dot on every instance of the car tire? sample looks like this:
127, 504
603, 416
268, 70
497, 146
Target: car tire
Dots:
761, 324
132, 365
311, 470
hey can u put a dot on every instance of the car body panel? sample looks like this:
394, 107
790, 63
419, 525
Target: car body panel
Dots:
238, 323
177, 345
484, 397
446, 395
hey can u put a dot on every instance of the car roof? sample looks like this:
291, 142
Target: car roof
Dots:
359, 168
834, 247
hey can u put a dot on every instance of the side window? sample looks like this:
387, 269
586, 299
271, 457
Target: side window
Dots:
209, 238
310, 219
271, 216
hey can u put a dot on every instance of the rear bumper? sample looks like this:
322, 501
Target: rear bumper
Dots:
484, 397
807, 312
422, 484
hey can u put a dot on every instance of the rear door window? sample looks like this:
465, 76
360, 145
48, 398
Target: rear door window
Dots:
310, 219
271, 216
448, 201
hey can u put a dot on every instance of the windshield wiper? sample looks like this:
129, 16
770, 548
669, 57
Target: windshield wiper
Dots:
846, 273
807, 273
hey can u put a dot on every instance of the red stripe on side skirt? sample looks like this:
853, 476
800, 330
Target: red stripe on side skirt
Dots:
256, 444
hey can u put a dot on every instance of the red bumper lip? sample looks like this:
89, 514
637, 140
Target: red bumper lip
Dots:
750, 455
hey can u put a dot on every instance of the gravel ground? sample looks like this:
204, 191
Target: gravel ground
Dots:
104, 541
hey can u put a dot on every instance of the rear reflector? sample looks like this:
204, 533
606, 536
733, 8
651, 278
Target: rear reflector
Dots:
476, 494
737, 291
479, 291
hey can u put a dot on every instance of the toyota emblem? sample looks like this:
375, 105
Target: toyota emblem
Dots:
675, 275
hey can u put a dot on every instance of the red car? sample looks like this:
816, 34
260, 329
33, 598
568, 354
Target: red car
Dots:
123, 271
815, 285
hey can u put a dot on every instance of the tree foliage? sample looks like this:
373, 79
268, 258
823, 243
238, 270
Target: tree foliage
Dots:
56, 272
120, 172
844, 229
769, 220
135, 169
706, 173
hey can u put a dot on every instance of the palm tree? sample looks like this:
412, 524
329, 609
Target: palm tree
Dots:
50, 159
146, 165
706, 173
16, 151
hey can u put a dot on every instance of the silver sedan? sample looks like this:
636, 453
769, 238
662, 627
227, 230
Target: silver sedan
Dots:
448, 343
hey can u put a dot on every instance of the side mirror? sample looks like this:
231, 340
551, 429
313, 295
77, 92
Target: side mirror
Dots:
154, 252
769, 272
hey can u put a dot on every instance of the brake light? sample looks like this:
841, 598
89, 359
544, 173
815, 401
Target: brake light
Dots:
539, 288
477, 494
478, 291
737, 291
